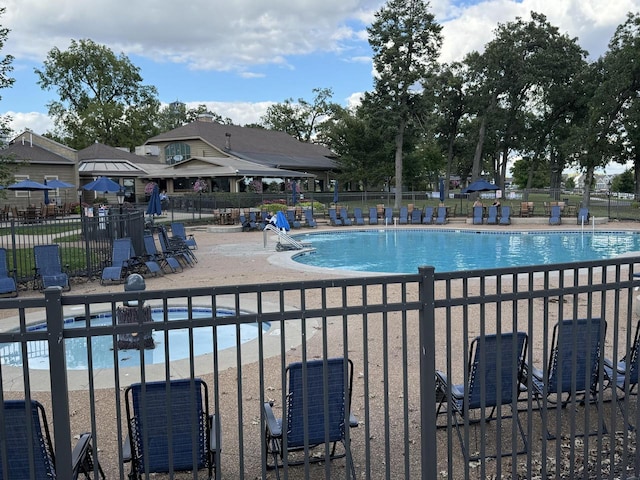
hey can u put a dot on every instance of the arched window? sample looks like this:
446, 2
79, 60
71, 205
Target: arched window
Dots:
177, 152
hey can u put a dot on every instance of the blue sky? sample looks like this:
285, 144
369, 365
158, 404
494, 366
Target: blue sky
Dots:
240, 57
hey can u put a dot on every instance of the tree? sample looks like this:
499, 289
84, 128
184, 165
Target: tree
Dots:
301, 119
7, 164
406, 42
101, 96
177, 114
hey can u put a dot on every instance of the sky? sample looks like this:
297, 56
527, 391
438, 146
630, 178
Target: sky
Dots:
238, 57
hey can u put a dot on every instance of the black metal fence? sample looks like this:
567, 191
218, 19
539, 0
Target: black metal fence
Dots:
397, 330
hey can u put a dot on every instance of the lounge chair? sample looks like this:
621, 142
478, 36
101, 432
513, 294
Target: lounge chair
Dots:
7, 281
573, 368
152, 254
49, 271
314, 416
496, 364
345, 218
583, 216
178, 230
524, 209
403, 218
388, 216
427, 217
623, 376
373, 216
492, 217
357, 216
169, 426
441, 219
291, 218
333, 218
28, 433
478, 213
416, 216
309, 220
123, 261
554, 218
175, 247
505, 215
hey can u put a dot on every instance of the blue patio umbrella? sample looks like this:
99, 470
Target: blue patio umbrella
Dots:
29, 186
480, 186
335, 192
441, 189
55, 183
281, 221
103, 184
155, 205
294, 192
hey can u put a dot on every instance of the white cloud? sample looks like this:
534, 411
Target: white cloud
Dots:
35, 121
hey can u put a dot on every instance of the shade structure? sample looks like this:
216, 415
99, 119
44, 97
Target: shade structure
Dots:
441, 187
294, 192
103, 184
58, 184
335, 192
480, 186
155, 205
30, 186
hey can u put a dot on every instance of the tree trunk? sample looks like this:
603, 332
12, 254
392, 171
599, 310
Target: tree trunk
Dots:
476, 169
399, 142
588, 181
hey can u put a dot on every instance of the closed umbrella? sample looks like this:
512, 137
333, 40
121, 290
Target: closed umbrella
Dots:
441, 190
155, 205
294, 192
335, 192
103, 184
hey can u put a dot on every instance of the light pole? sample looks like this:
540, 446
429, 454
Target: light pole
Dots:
120, 197
609, 201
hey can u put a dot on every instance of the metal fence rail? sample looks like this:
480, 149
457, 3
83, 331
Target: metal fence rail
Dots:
397, 330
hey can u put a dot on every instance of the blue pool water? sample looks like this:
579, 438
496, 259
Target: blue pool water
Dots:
403, 251
76, 348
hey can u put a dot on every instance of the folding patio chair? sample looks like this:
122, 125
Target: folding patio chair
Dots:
357, 216
291, 218
175, 247
333, 218
427, 217
345, 217
403, 217
7, 281
317, 413
153, 254
416, 216
496, 364
123, 261
492, 216
388, 216
623, 376
441, 219
28, 433
373, 216
478, 213
583, 216
178, 230
505, 215
48, 267
573, 369
309, 220
555, 216
169, 426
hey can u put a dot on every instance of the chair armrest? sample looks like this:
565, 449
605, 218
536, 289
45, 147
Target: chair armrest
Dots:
214, 428
80, 451
126, 450
272, 424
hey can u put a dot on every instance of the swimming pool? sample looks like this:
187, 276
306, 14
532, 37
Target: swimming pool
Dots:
102, 346
403, 251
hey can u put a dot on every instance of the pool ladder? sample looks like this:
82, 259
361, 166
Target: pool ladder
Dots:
285, 241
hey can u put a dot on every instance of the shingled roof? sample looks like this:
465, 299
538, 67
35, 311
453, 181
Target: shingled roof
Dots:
35, 154
266, 147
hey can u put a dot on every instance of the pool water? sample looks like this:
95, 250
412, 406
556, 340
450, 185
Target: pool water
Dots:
102, 353
404, 251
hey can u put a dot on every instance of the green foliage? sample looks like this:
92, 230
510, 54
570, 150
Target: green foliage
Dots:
624, 182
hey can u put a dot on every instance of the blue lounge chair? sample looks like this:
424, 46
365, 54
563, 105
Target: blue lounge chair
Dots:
291, 218
29, 432
554, 218
478, 213
373, 216
314, 416
416, 216
492, 217
573, 367
49, 267
7, 281
345, 218
388, 216
505, 215
583, 216
122, 261
169, 426
496, 364
441, 219
152, 254
403, 218
427, 217
357, 216
333, 218
178, 230
175, 246
623, 376
309, 220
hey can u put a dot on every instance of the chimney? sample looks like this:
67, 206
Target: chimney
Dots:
227, 145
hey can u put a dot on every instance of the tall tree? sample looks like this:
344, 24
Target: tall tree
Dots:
177, 114
406, 43
101, 96
301, 119
7, 165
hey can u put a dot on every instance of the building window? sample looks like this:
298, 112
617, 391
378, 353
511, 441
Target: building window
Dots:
177, 152
21, 193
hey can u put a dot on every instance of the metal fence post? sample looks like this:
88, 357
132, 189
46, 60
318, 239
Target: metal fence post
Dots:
427, 342
58, 379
